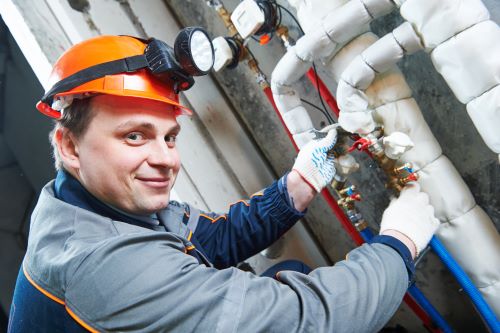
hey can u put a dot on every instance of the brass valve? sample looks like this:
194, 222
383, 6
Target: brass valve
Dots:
410, 178
405, 167
348, 201
348, 190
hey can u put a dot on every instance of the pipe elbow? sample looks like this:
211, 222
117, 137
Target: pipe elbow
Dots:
407, 38
314, 45
289, 70
378, 8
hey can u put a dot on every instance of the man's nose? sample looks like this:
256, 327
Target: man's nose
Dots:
162, 155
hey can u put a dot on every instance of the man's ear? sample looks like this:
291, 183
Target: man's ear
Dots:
67, 146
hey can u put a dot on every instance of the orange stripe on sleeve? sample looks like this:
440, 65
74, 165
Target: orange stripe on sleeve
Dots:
242, 201
220, 217
212, 219
79, 321
258, 194
40, 289
190, 235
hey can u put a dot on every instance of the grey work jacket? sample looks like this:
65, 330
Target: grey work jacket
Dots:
123, 278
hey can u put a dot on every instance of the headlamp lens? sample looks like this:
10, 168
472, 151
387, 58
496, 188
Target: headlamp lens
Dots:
201, 51
194, 51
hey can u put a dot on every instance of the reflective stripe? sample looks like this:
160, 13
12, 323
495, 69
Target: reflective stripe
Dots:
245, 202
212, 220
79, 321
40, 289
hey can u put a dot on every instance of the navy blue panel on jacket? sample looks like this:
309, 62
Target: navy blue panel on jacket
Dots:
249, 226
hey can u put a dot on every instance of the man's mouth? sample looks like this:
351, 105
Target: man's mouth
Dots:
156, 182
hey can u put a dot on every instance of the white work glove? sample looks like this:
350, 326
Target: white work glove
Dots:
315, 161
412, 215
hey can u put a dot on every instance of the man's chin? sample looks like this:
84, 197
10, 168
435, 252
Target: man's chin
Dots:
154, 207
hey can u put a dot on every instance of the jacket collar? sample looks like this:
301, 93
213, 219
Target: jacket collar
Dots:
70, 190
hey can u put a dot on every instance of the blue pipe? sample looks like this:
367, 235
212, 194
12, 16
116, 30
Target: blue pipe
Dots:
482, 307
418, 296
424, 303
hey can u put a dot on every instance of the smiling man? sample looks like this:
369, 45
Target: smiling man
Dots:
109, 251
133, 138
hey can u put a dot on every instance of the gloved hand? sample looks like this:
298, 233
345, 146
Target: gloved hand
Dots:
315, 161
412, 215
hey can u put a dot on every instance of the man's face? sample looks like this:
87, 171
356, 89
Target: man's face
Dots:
127, 156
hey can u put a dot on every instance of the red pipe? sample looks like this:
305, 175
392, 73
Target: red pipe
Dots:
323, 90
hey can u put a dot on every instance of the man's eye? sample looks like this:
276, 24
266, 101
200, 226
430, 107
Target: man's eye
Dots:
135, 137
170, 140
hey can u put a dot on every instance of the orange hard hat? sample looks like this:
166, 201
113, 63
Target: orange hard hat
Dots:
93, 52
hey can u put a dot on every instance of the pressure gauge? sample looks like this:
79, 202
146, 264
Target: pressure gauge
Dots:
194, 51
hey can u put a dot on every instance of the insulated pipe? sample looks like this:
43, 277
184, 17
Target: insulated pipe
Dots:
334, 30
327, 196
456, 207
356, 111
464, 46
417, 302
390, 98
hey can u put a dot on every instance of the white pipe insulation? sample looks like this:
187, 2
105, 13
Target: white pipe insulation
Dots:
464, 47
466, 230
321, 42
457, 34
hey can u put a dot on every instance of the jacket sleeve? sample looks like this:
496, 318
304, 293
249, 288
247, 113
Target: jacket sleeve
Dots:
249, 226
146, 283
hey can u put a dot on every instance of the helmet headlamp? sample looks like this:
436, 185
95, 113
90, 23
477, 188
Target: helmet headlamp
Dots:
192, 55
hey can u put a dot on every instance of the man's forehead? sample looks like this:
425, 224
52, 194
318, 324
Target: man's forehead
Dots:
143, 122
128, 112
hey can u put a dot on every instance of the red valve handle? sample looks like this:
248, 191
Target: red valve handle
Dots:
355, 196
412, 177
360, 144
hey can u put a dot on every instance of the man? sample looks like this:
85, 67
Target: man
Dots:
108, 251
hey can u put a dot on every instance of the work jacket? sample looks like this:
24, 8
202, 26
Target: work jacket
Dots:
85, 271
